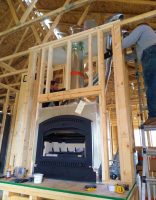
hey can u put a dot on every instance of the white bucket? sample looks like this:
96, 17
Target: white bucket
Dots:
111, 188
38, 178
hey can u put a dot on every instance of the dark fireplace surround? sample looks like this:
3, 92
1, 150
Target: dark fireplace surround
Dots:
65, 164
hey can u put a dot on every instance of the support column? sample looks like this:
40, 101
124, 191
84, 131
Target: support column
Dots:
123, 112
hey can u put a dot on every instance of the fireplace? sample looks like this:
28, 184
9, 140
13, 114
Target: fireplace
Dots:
66, 148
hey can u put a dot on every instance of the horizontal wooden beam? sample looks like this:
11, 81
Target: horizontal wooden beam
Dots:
69, 94
141, 17
13, 73
56, 12
19, 54
133, 2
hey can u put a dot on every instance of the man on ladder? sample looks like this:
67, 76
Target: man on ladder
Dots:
144, 37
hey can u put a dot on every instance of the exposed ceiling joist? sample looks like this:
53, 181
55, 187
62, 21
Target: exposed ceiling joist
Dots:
12, 10
58, 11
136, 2
37, 37
13, 73
8, 87
55, 23
28, 11
7, 67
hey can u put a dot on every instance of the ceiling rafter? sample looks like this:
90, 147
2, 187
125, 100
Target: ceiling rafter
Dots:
37, 37
8, 87
28, 11
12, 10
55, 23
60, 10
7, 67
133, 2
13, 73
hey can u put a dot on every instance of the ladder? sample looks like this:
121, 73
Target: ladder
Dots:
147, 181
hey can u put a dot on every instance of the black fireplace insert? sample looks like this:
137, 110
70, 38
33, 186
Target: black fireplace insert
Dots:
64, 149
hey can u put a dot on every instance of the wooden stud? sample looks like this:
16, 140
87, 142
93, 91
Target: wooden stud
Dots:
49, 69
102, 107
68, 66
90, 63
124, 121
4, 112
14, 112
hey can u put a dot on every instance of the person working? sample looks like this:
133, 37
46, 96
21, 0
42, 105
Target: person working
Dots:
144, 37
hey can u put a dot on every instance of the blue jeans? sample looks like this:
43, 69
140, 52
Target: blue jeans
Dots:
148, 61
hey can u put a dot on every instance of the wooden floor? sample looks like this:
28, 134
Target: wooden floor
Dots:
67, 189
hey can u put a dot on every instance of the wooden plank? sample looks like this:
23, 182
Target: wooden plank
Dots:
138, 2
28, 11
19, 43
83, 16
12, 10
35, 32
5, 108
68, 66
102, 107
43, 67
13, 73
9, 149
70, 94
34, 116
124, 122
61, 10
7, 67
49, 69
22, 53
141, 17
55, 23
8, 87
90, 63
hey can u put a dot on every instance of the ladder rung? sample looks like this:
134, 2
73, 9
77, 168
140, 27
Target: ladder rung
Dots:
149, 127
151, 153
151, 180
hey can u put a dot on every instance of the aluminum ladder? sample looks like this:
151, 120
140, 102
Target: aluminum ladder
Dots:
146, 180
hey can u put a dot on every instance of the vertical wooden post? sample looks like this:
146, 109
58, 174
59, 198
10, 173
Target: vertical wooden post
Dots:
4, 114
114, 139
124, 121
34, 115
90, 63
102, 106
49, 69
68, 66
13, 119
43, 63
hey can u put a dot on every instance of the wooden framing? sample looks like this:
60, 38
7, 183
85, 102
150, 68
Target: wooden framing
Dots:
98, 90
40, 60
74, 192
